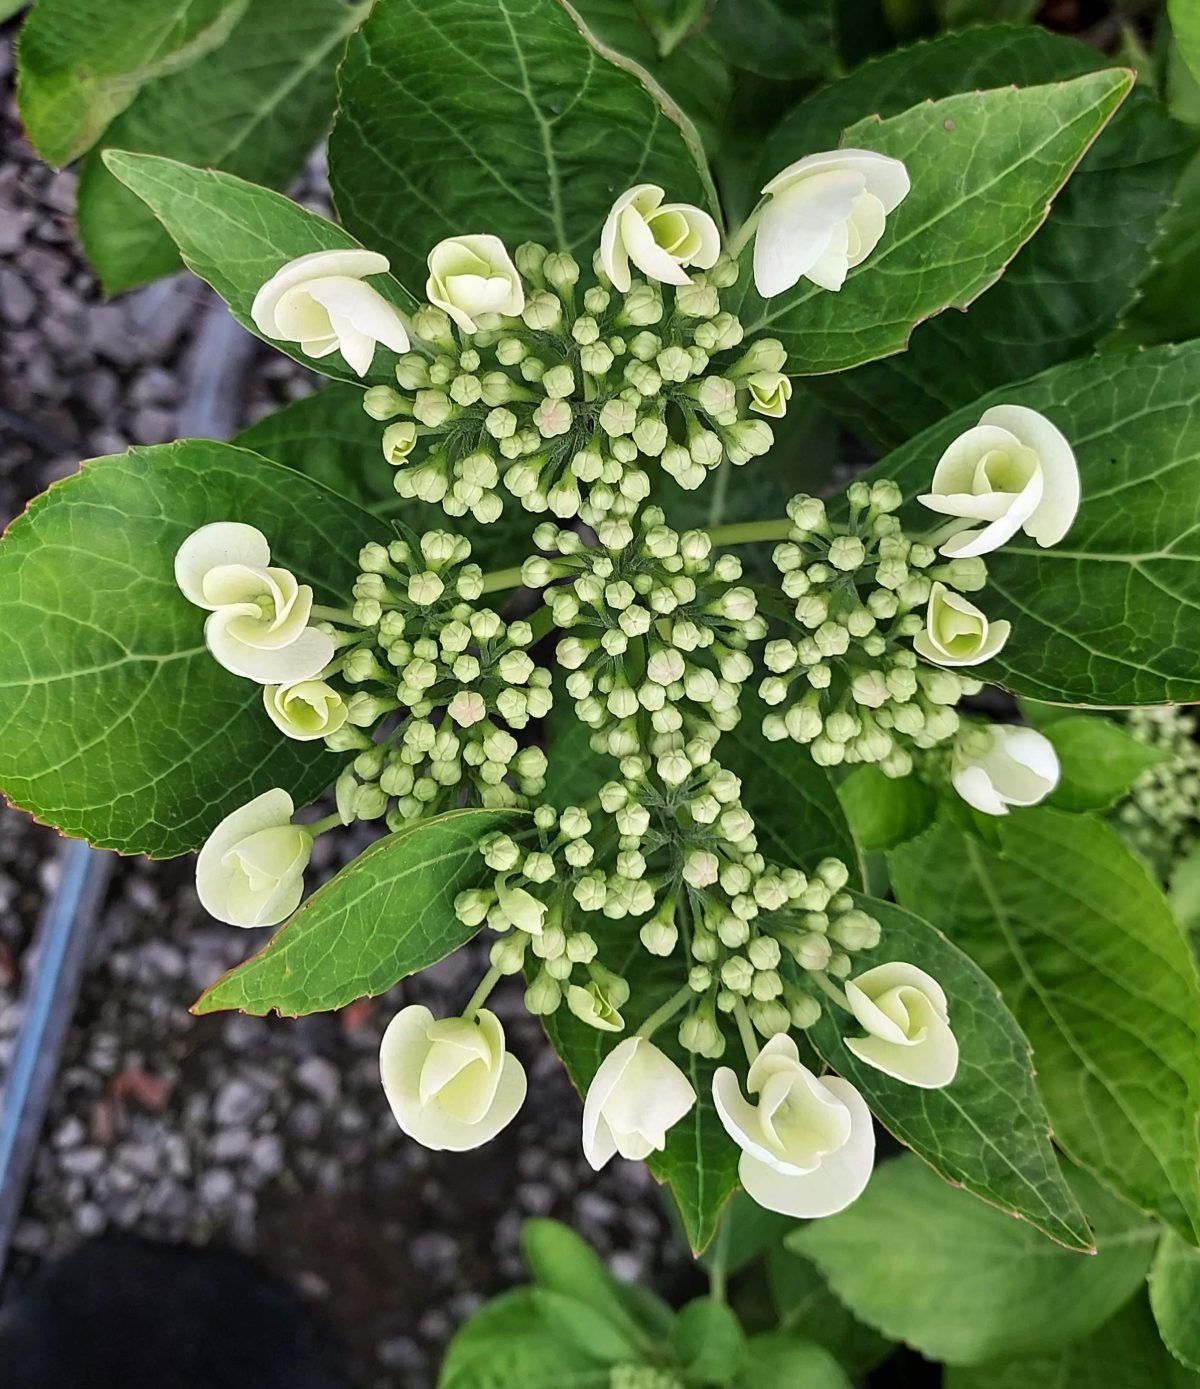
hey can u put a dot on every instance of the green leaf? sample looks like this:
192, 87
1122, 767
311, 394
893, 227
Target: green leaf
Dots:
1167, 310
587, 1328
747, 1231
1066, 288
236, 235
1108, 616
328, 436
793, 801
453, 106
254, 107
1100, 761
959, 1282
83, 61
987, 1130
1125, 1353
385, 916
1185, 27
1082, 943
116, 725
807, 1306
776, 38
1184, 890
693, 73
984, 167
953, 13
563, 1263
780, 1361
707, 1341
1175, 1296
510, 1344
885, 811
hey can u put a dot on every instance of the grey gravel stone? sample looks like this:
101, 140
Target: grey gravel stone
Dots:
238, 1102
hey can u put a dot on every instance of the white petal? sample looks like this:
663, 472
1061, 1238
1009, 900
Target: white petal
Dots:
361, 317
613, 258
353, 262
1036, 752
898, 973
213, 875
831, 1187
872, 1017
831, 269
218, 543
884, 177
1060, 499
740, 1118
869, 222
928, 1065
1021, 764
434, 1128
796, 225
975, 787
609, 1073
652, 1096
646, 253
301, 660
1002, 530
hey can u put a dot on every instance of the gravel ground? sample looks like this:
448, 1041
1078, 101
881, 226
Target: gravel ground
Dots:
272, 1136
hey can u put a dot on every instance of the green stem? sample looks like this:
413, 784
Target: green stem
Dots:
831, 990
480, 996
665, 1013
718, 1273
324, 614
502, 579
737, 239
746, 1031
320, 826
748, 532
720, 495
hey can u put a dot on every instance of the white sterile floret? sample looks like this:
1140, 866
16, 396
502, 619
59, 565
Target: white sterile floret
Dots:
957, 633
808, 1145
451, 1083
638, 1094
1002, 765
472, 275
258, 626
250, 871
659, 238
908, 1032
322, 302
1012, 471
305, 709
823, 216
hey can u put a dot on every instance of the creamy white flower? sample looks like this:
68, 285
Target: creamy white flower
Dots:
957, 633
305, 709
321, 302
659, 238
250, 871
1002, 765
1013, 471
636, 1096
470, 275
451, 1083
907, 1021
770, 392
823, 216
258, 626
808, 1145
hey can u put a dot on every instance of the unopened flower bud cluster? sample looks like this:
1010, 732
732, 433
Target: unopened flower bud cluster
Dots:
657, 632
1161, 815
848, 683
417, 644
566, 404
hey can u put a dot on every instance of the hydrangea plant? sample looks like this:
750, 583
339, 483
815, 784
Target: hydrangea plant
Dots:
718, 754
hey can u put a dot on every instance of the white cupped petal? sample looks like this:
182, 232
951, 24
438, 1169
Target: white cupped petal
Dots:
1017, 766
637, 1095
614, 260
904, 1011
354, 262
303, 658
651, 259
470, 275
1056, 511
305, 710
218, 544
956, 632
840, 1177
359, 317
796, 225
451, 1083
250, 871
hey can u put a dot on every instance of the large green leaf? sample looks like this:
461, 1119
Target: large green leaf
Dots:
778, 1360
984, 167
385, 916
776, 38
1063, 290
236, 235
83, 61
1099, 761
116, 724
806, 1306
1109, 615
494, 115
987, 1130
1069, 925
1168, 310
511, 1343
1175, 1297
928, 1265
254, 107
1185, 26
1125, 1353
